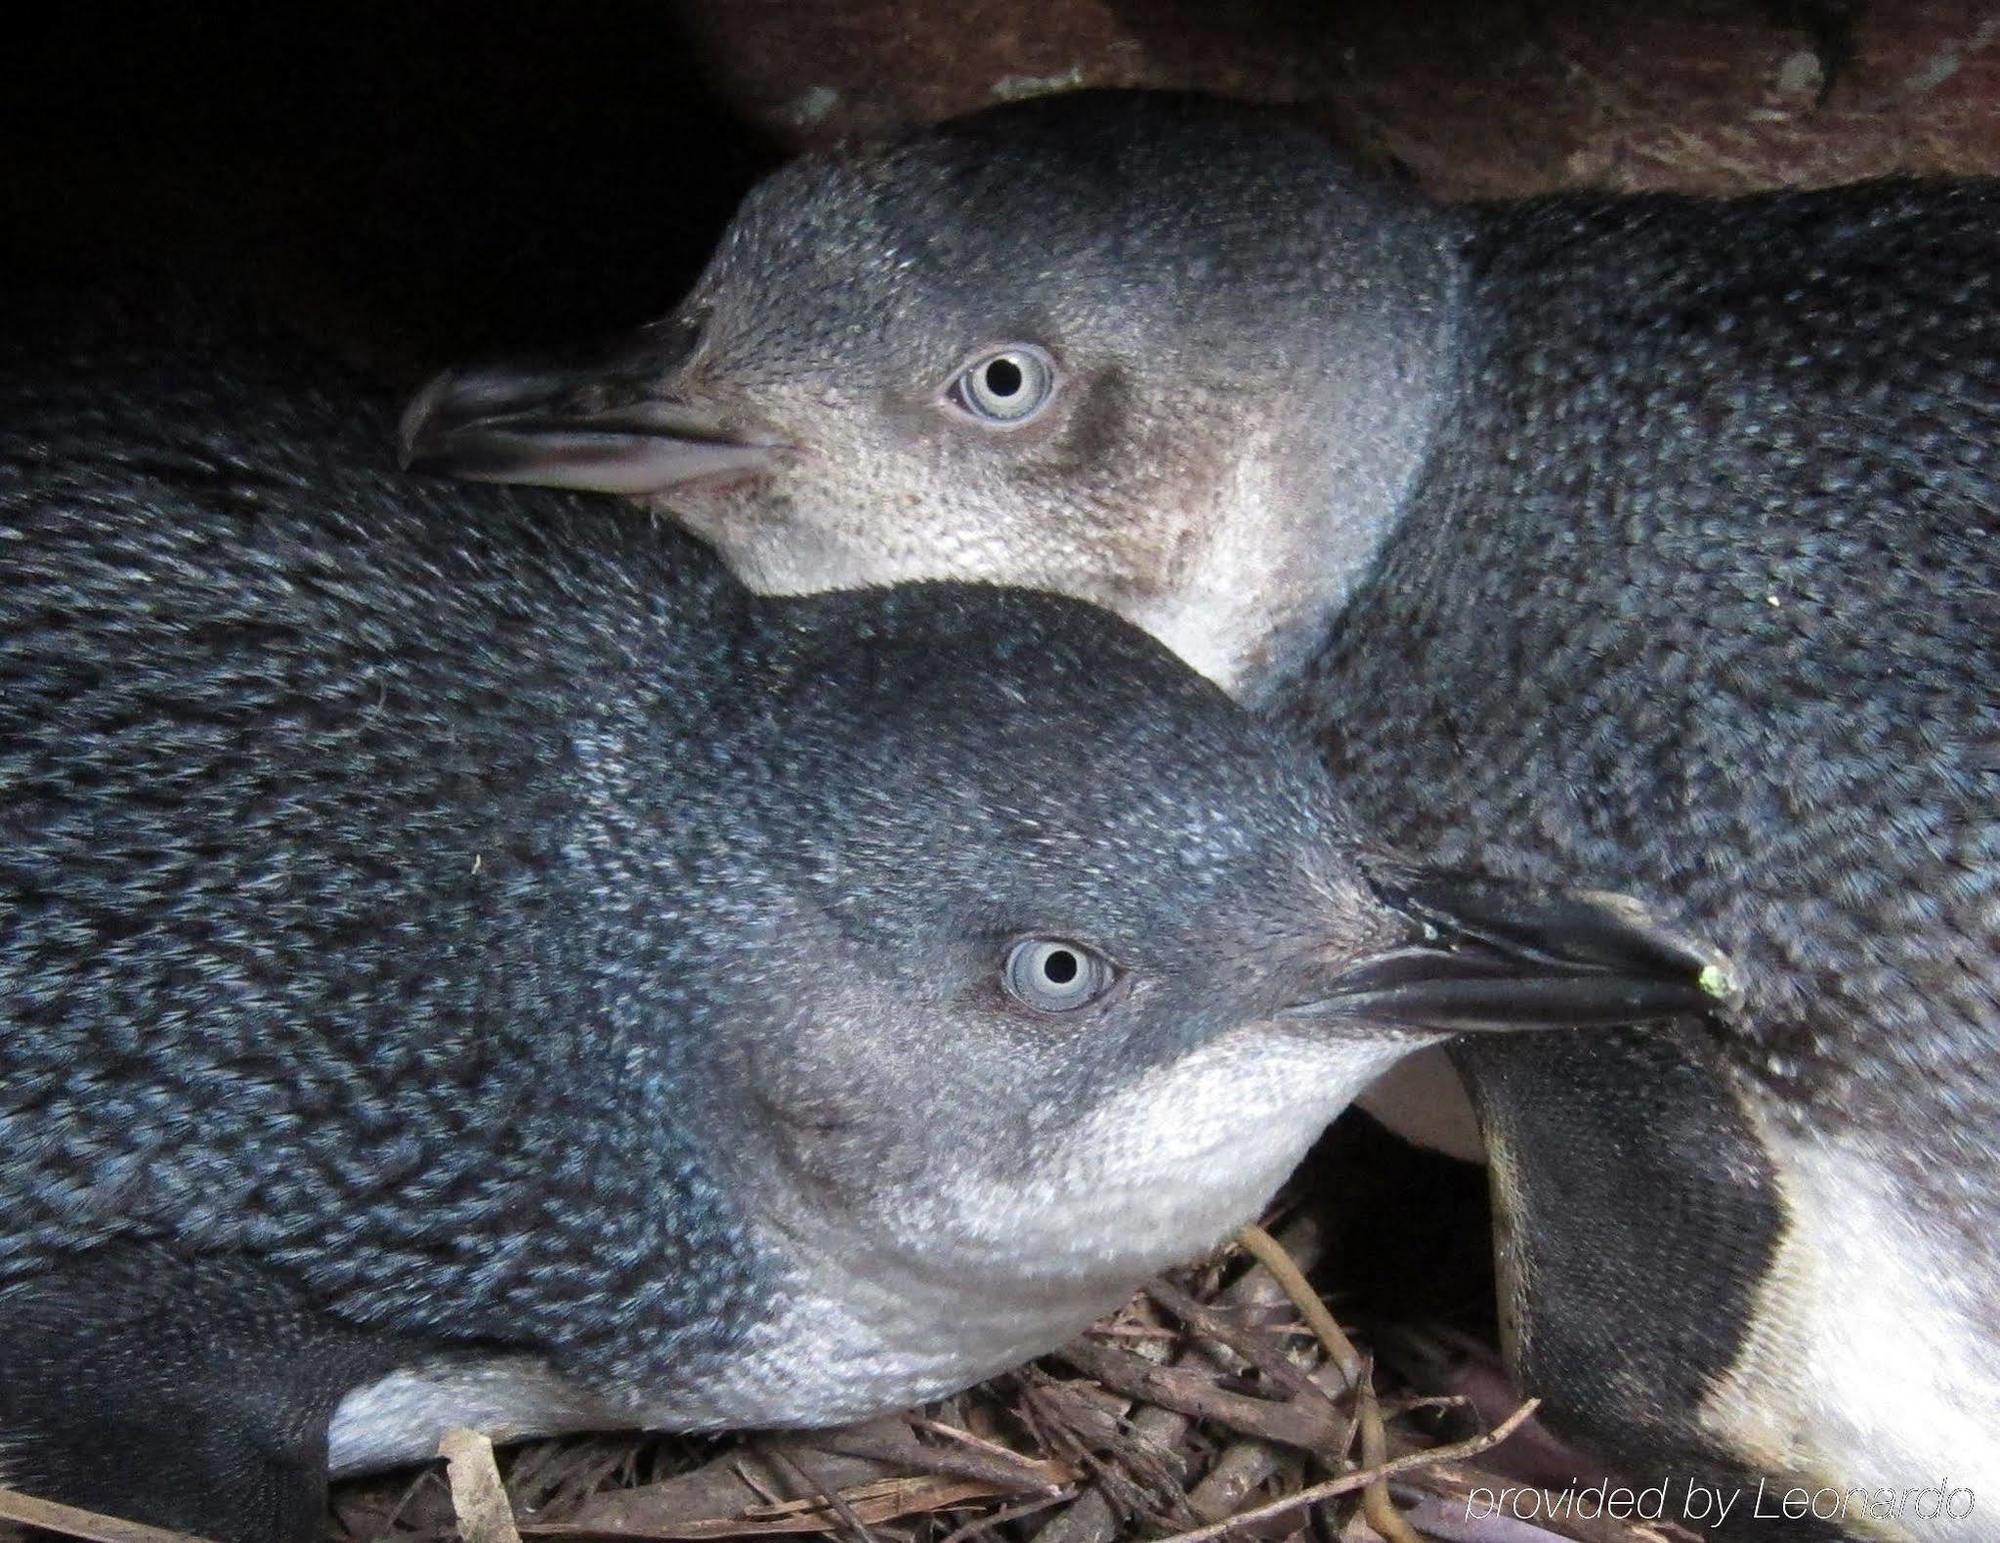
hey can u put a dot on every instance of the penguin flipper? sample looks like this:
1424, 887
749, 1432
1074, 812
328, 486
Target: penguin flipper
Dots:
187, 1393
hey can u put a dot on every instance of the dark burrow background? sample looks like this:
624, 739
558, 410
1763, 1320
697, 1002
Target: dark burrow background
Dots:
419, 181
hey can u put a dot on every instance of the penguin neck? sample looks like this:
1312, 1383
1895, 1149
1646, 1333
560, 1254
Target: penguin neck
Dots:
1331, 461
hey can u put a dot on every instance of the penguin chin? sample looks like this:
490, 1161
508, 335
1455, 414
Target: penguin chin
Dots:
997, 1269
1166, 1167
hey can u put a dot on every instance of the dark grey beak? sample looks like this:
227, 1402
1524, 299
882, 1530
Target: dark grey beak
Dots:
543, 427
1484, 954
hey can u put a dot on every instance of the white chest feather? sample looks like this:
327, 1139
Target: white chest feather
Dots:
1870, 1369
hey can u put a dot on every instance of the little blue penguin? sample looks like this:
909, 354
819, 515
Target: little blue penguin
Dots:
466, 960
1642, 540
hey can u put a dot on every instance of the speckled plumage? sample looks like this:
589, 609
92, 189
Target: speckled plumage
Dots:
463, 958
1700, 594
1649, 540
292, 761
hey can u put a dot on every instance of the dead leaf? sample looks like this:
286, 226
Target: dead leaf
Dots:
478, 1498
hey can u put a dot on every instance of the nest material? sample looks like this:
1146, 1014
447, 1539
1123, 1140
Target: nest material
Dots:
1219, 1403
1207, 1408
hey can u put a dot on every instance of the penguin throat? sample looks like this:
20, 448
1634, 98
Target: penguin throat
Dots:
1319, 485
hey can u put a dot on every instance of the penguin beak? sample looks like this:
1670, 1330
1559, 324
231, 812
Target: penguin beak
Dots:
551, 429
1481, 954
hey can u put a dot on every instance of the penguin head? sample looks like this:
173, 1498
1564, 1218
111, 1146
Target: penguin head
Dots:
1127, 346
1069, 956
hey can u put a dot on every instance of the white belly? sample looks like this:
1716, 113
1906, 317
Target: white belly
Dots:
1422, 1099
1871, 1370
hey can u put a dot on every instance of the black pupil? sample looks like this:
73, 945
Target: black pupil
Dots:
1060, 966
1003, 377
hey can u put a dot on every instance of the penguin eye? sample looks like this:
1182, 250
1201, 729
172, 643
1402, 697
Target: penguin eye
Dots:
1006, 387
1054, 975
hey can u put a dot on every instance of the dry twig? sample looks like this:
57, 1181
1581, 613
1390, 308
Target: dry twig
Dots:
1348, 1483
1375, 1502
73, 1522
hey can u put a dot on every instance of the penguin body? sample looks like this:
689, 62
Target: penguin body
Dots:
1704, 594
465, 960
1649, 539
